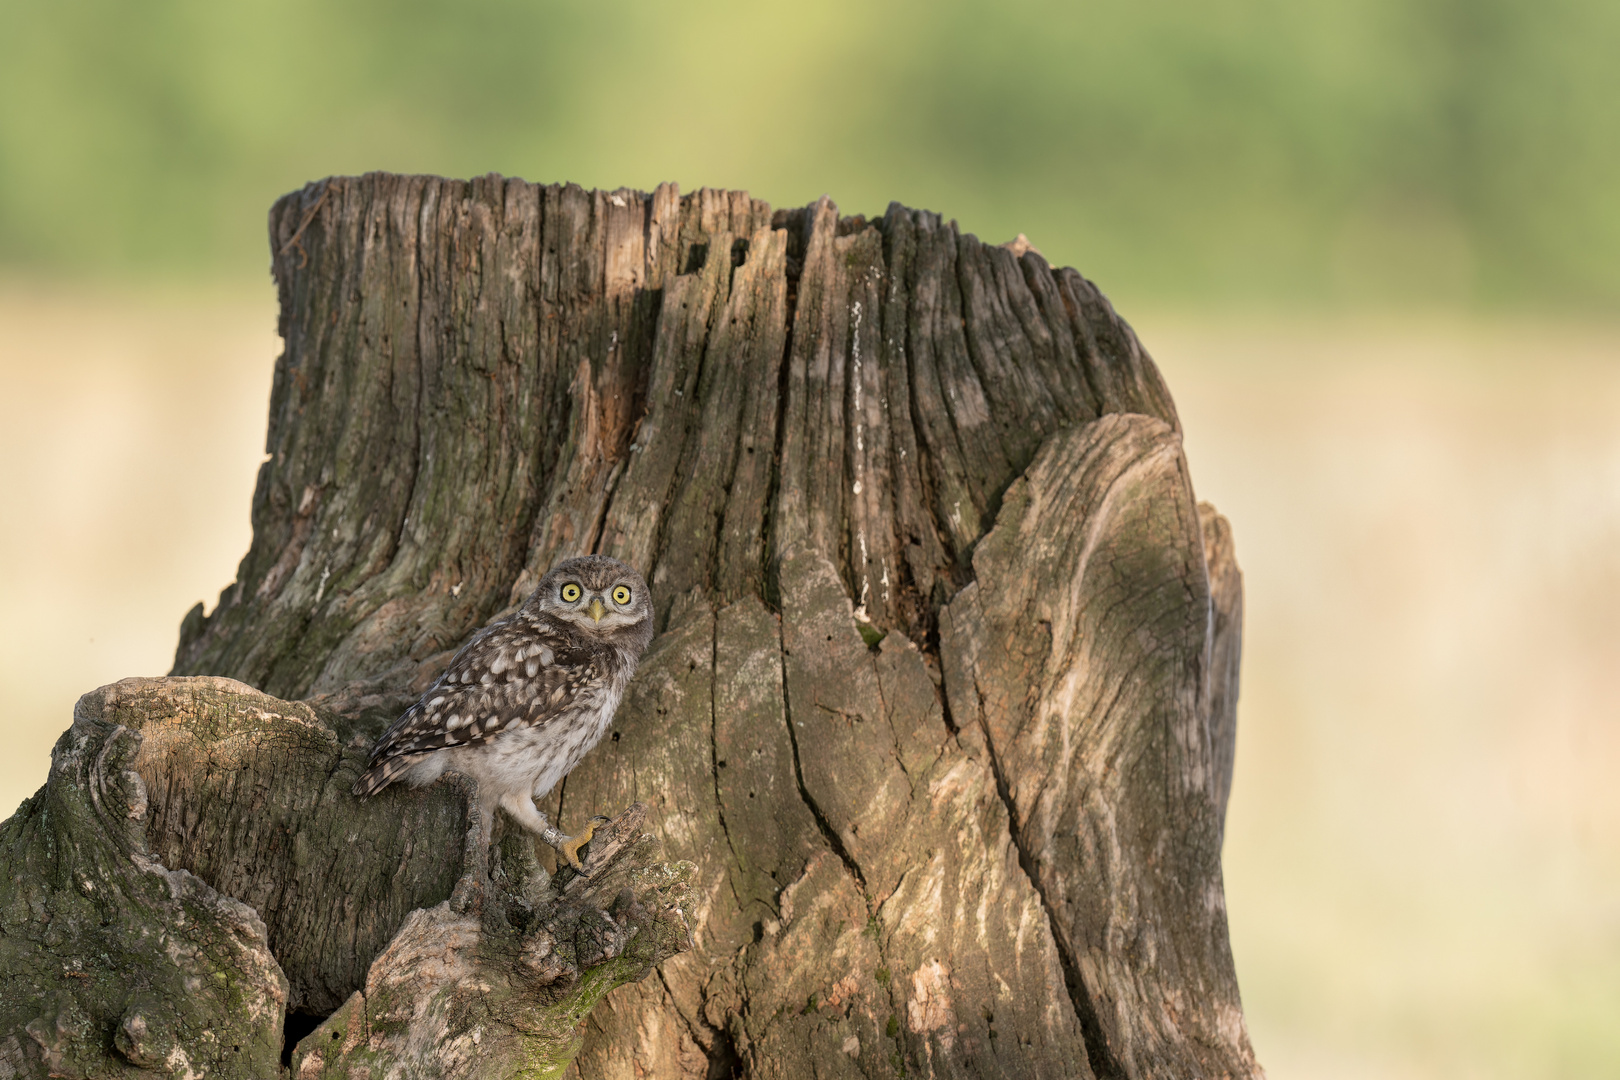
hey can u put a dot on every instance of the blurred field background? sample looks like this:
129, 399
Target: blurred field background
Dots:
1374, 245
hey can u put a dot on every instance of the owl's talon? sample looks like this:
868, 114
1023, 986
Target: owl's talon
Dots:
569, 846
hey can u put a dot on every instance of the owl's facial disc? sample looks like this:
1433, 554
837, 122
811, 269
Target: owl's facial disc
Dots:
598, 595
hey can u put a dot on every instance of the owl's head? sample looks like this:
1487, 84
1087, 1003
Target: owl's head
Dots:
600, 596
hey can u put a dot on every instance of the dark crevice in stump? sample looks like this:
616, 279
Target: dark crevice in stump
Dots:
297, 1026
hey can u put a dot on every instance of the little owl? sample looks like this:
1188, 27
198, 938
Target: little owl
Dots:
524, 700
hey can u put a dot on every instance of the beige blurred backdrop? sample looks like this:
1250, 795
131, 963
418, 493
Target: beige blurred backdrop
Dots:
1423, 853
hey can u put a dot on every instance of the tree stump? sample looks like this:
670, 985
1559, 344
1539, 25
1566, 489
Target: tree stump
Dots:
195, 875
940, 712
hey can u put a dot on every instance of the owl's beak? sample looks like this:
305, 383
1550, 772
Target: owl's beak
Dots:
596, 609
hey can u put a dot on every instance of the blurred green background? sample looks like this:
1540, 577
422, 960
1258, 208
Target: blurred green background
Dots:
1395, 152
1373, 245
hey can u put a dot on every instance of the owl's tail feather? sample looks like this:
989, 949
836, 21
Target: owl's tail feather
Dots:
381, 774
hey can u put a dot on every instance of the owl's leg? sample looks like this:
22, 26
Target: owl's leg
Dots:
522, 808
486, 827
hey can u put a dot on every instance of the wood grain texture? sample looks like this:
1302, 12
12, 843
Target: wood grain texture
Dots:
942, 704
1083, 649
483, 376
1225, 652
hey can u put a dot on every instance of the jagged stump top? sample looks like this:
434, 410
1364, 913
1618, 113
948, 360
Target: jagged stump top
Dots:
481, 377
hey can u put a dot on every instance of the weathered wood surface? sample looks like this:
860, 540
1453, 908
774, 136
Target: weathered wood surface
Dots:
112, 962
1082, 651
942, 703
494, 981
294, 896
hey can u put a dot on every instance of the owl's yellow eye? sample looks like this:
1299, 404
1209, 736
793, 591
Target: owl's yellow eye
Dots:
570, 592
621, 594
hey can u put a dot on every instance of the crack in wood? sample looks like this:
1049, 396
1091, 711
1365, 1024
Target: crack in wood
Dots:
1103, 1062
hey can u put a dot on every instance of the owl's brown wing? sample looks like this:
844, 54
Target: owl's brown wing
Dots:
514, 673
